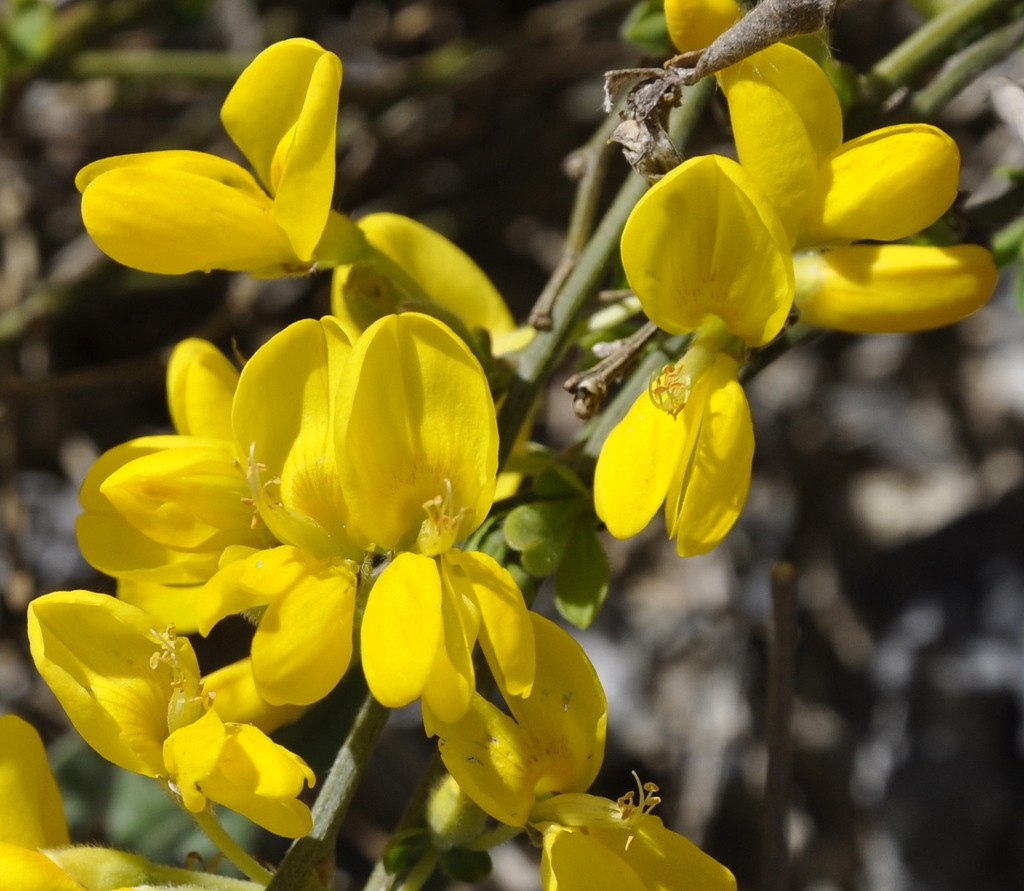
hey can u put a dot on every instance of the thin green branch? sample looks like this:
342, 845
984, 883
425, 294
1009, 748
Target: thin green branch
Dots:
963, 68
194, 65
308, 854
538, 361
209, 823
928, 46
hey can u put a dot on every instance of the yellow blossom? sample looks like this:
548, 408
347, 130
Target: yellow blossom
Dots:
134, 694
173, 212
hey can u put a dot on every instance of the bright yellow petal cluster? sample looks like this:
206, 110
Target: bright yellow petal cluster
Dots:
135, 695
884, 186
173, 212
160, 510
533, 769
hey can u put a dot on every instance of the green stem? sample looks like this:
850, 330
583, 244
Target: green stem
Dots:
538, 361
964, 68
417, 877
332, 804
928, 46
209, 823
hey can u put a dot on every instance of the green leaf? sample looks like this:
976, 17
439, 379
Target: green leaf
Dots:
582, 581
464, 865
646, 28
29, 30
540, 531
405, 849
558, 481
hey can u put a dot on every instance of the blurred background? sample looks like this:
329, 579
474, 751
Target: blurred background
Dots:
889, 469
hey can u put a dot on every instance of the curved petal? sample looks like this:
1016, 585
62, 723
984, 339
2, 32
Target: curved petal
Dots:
565, 715
94, 652
284, 425
894, 288
885, 185
239, 767
304, 165
694, 24
786, 120
416, 423
249, 579
637, 464
448, 691
176, 605
303, 644
402, 629
173, 221
268, 98
506, 635
32, 814
573, 858
236, 700
448, 275
490, 757
113, 545
192, 497
712, 482
704, 242
201, 382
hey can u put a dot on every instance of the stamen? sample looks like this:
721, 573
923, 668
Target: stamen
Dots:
439, 531
670, 389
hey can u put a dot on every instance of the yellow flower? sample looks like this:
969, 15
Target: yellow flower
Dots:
418, 434
452, 283
698, 463
159, 510
885, 185
694, 24
703, 243
388, 444
173, 212
705, 253
533, 768
134, 694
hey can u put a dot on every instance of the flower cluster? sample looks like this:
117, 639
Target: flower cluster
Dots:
728, 252
334, 491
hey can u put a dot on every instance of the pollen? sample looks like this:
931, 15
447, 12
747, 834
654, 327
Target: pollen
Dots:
670, 389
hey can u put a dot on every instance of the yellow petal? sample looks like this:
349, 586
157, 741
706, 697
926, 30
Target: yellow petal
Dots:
284, 427
786, 120
894, 288
191, 497
269, 96
448, 275
416, 422
113, 545
449, 688
565, 715
637, 464
94, 652
237, 701
174, 221
249, 579
176, 605
694, 24
712, 480
885, 185
704, 243
574, 859
26, 870
305, 161
402, 629
506, 635
490, 757
642, 854
32, 814
303, 644
201, 382
239, 767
